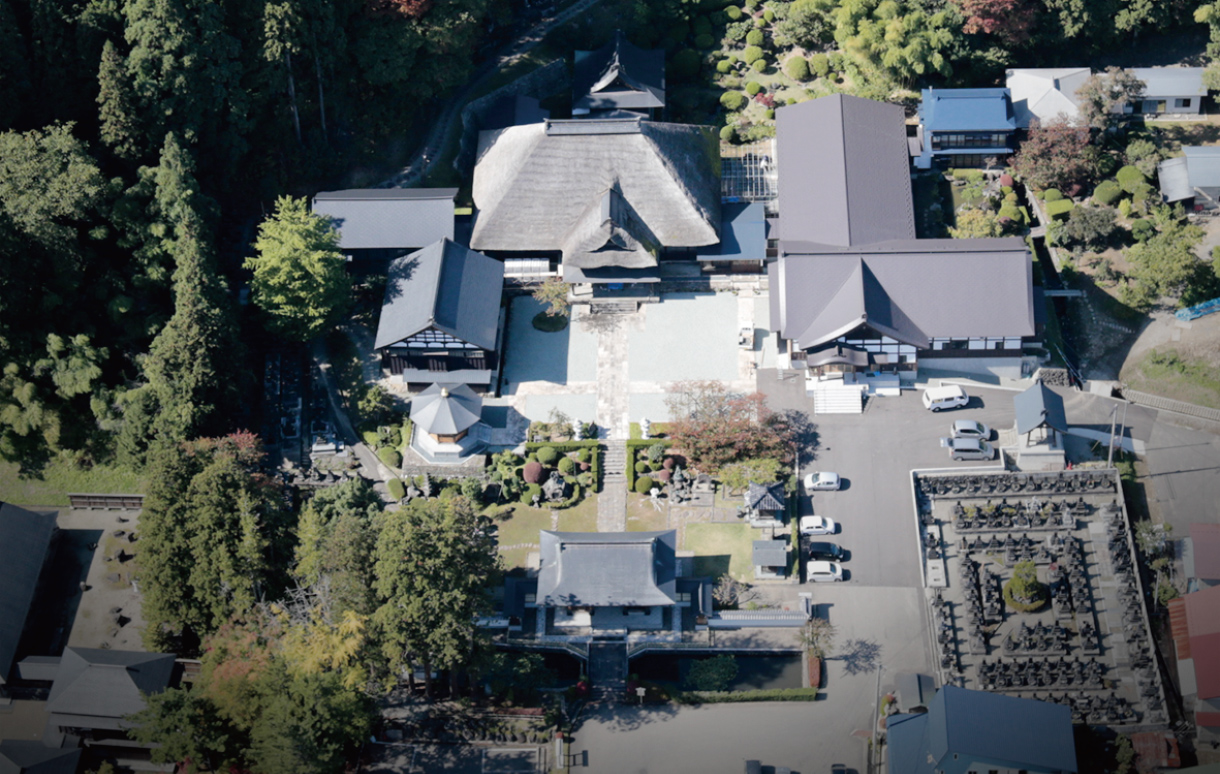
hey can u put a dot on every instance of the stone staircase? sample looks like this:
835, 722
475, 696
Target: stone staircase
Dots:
837, 398
614, 463
614, 307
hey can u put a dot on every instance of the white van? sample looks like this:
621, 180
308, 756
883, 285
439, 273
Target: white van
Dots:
946, 397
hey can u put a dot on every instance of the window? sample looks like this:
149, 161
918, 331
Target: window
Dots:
1182, 103
947, 141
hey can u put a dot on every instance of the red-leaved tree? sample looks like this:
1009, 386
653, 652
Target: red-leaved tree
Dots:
714, 427
1056, 155
1012, 20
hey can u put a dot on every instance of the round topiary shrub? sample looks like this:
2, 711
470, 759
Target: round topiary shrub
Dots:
728, 133
1130, 178
389, 457
768, 16
663, 476
751, 54
753, 87
1142, 229
759, 65
547, 455
769, 114
755, 38
532, 473
644, 484
1023, 592
1107, 193
642, 466
584, 455
732, 100
820, 64
701, 26
527, 494
733, 12
397, 489
733, 59
724, 66
1006, 180
567, 466
1052, 195
668, 463
797, 68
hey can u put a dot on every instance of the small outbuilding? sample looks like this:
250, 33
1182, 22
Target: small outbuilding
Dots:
1041, 424
765, 504
443, 416
770, 559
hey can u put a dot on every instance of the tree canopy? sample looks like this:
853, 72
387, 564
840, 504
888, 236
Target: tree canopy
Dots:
714, 427
1056, 155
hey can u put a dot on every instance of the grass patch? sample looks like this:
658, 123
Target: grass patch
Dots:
642, 517
550, 323
59, 478
721, 548
520, 524
1164, 372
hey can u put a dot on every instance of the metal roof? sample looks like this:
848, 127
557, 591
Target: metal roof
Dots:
770, 553
1038, 406
24, 539
967, 110
910, 290
765, 497
607, 569
1045, 93
1203, 621
743, 234
1205, 539
20, 756
964, 728
844, 172
1171, 81
836, 354
1174, 178
446, 409
444, 286
107, 683
618, 75
388, 218
1203, 162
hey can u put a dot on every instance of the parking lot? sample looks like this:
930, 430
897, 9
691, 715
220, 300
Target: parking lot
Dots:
875, 452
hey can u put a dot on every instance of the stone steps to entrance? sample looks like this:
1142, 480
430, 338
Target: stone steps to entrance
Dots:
614, 307
614, 462
838, 400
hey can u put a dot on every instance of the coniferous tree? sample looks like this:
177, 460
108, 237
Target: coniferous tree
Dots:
117, 106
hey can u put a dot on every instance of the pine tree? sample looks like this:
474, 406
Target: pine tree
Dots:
117, 106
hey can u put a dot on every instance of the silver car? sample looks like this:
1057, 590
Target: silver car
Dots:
969, 448
969, 428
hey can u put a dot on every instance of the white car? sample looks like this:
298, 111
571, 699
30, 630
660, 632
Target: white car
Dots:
968, 428
821, 481
823, 572
817, 525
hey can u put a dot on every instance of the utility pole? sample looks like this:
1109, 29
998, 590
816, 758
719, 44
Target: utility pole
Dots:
1113, 420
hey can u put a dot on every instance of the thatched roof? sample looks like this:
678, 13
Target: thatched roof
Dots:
564, 185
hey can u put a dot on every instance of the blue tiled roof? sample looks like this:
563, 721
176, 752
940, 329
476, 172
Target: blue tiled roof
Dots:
967, 110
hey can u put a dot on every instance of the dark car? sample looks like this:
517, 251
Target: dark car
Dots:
825, 552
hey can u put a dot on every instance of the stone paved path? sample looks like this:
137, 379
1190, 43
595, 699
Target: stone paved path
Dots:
613, 402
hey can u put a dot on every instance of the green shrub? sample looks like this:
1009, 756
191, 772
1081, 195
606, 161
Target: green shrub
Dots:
769, 114
398, 490
969, 175
1124, 208
753, 87
722, 697
733, 12
1143, 194
702, 25
644, 484
752, 54
547, 455
1052, 195
642, 467
1107, 193
371, 438
712, 674
472, 490
389, 457
685, 64
1059, 209
768, 16
1024, 592
1130, 178
732, 100
1011, 197
759, 65
724, 66
527, 494
583, 455
592, 447
755, 38
797, 68
1142, 229
820, 64
836, 61
567, 466
728, 133
1009, 211
1007, 191
678, 32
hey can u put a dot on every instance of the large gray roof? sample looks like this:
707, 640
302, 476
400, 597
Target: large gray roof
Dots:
444, 286
1198, 168
844, 172
1038, 406
910, 290
393, 218
24, 538
607, 569
543, 187
93, 682
1171, 81
446, 409
618, 75
27, 757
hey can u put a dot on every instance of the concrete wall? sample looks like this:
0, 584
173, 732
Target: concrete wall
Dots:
1004, 367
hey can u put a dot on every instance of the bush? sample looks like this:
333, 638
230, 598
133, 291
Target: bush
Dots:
1124, 208
797, 68
732, 100
644, 484
1024, 592
532, 473
663, 475
567, 466
371, 438
755, 38
527, 494
820, 64
1130, 178
685, 64
753, 87
752, 54
547, 455
389, 457
733, 12
723, 697
472, 490
768, 16
1052, 195
1142, 230
769, 114
656, 452
724, 66
592, 447
583, 455
712, 674
642, 466
759, 65
704, 41
1107, 193
1059, 209
398, 490
728, 133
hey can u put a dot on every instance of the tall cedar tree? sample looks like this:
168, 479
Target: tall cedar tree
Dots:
300, 277
715, 427
118, 108
336, 540
436, 561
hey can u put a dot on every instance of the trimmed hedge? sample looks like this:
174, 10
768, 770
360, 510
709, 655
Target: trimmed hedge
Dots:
755, 38
389, 457
733, 12
726, 697
753, 87
1130, 178
635, 444
1059, 210
758, 65
1107, 193
1052, 195
724, 66
592, 446
797, 68
547, 455
527, 494
567, 466
644, 484
728, 133
752, 54
398, 490
733, 100
642, 467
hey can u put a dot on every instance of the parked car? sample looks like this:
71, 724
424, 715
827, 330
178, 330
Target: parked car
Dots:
946, 397
821, 481
817, 525
968, 448
825, 551
823, 572
969, 428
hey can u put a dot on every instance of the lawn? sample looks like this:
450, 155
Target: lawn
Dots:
721, 548
1175, 135
59, 478
1166, 372
519, 526
643, 517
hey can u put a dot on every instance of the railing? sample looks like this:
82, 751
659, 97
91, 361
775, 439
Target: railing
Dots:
1168, 404
132, 502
